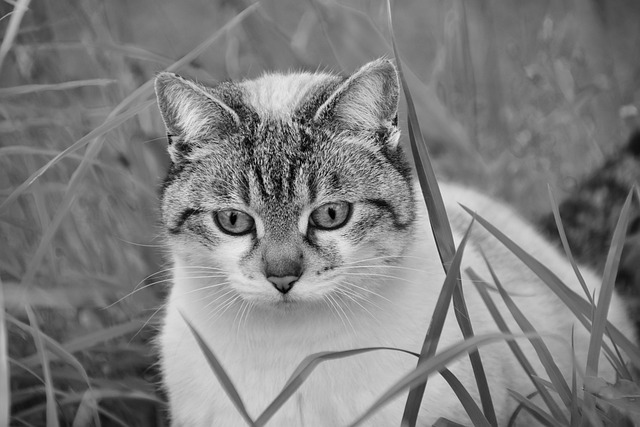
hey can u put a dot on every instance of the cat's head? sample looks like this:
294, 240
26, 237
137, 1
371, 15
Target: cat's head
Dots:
290, 184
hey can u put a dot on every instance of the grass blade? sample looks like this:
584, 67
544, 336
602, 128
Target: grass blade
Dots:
565, 244
599, 322
124, 111
474, 412
5, 391
220, 373
544, 355
443, 422
462, 316
89, 340
95, 133
580, 308
430, 366
35, 88
52, 345
21, 6
535, 410
575, 412
51, 405
432, 338
303, 371
146, 90
514, 346
608, 282
426, 175
87, 411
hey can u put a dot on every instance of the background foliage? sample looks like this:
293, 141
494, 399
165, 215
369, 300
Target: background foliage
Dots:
510, 96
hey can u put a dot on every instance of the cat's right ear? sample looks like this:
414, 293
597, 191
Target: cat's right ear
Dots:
192, 114
367, 100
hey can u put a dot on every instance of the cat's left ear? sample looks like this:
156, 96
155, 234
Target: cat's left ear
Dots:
193, 115
367, 100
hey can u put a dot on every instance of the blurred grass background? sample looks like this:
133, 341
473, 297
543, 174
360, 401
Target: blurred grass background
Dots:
511, 96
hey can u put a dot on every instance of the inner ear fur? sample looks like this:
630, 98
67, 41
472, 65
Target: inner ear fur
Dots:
192, 113
367, 100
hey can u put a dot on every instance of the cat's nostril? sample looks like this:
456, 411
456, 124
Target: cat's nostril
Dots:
283, 283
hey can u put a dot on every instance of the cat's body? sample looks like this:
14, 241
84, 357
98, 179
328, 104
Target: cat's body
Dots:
295, 228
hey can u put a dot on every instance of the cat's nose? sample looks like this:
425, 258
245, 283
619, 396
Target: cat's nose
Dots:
283, 283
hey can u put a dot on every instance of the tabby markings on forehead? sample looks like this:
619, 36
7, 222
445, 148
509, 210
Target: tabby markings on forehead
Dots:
278, 95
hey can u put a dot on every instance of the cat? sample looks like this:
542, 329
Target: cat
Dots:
295, 226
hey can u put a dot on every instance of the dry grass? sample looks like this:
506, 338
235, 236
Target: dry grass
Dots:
508, 98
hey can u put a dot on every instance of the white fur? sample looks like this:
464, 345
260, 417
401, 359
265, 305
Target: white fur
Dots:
260, 346
277, 95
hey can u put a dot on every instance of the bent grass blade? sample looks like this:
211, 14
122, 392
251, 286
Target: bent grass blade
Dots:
220, 373
581, 309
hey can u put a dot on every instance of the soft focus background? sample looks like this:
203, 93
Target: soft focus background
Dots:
511, 96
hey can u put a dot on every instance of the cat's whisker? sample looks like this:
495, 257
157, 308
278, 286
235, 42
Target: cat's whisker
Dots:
355, 296
225, 307
338, 296
399, 267
163, 306
350, 298
341, 313
119, 300
144, 325
202, 288
332, 306
369, 291
245, 314
383, 257
224, 294
238, 313
136, 287
208, 276
386, 276
197, 267
158, 282
214, 310
245, 311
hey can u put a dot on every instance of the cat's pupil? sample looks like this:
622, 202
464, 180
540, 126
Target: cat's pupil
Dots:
332, 213
232, 218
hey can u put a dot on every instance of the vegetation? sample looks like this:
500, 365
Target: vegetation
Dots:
507, 96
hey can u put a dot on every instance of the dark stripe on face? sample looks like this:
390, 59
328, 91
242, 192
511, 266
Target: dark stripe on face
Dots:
184, 216
243, 189
257, 172
385, 206
313, 189
172, 175
398, 160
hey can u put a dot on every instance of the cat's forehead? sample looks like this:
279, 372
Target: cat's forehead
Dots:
277, 96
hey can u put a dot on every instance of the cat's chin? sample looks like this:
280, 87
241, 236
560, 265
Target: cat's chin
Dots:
284, 302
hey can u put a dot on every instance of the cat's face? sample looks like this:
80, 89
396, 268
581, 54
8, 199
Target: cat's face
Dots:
289, 185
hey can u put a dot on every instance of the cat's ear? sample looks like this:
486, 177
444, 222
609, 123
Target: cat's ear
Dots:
368, 100
192, 114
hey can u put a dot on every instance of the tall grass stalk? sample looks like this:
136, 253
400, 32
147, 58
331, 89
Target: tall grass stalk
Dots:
483, 287
20, 8
444, 242
5, 391
51, 404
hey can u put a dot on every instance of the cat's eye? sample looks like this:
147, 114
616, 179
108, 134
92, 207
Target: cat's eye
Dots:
234, 222
330, 216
